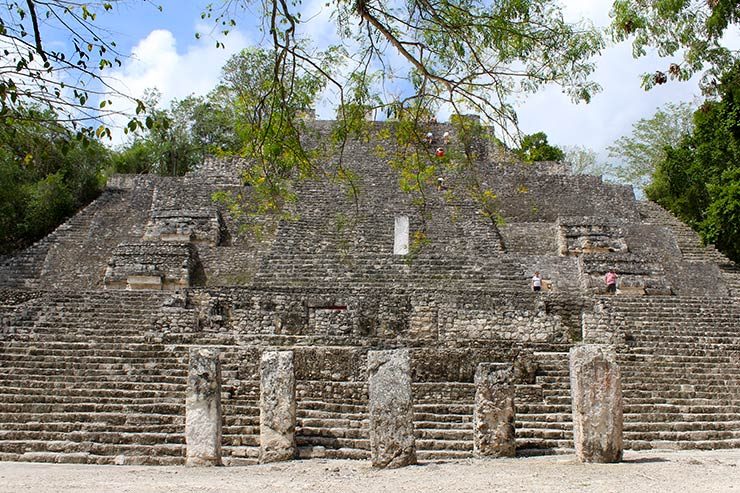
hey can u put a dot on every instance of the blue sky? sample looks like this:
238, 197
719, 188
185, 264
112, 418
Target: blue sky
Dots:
163, 53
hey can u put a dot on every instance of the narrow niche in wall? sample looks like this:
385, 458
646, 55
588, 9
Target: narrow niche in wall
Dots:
401, 236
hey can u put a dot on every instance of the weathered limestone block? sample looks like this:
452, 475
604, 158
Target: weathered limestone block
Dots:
277, 406
493, 415
596, 392
203, 408
401, 236
392, 441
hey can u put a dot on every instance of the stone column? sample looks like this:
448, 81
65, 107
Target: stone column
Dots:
277, 407
493, 415
203, 408
392, 441
596, 392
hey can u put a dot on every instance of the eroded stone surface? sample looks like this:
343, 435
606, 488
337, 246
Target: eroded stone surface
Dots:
493, 414
203, 408
277, 406
392, 441
596, 391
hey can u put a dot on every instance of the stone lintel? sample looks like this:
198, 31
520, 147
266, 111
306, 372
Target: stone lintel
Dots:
144, 282
596, 392
203, 408
392, 442
277, 407
493, 416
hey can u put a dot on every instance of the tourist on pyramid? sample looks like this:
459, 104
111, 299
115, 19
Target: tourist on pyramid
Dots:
430, 138
611, 281
536, 282
446, 138
440, 152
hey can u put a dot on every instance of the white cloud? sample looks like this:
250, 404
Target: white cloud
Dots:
611, 112
155, 62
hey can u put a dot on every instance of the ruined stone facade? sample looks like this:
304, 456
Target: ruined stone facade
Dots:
98, 320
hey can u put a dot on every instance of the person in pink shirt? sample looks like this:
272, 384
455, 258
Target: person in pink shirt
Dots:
611, 281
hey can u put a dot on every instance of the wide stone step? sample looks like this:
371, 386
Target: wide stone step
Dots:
443, 425
113, 418
66, 446
240, 455
680, 418
338, 407
90, 366
113, 348
545, 433
443, 434
321, 414
77, 436
309, 432
88, 458
340, 423
443, 418
433, 455
93, 398
60, 384
682, 445
565, 424
441, 408
58, 407
115, 354
678, 409
93, 426
530, 446
680, 399
333, 442
441, 444
87, 376
542, 408
682, 426
321, 452
241, 430
251, 440
240, 408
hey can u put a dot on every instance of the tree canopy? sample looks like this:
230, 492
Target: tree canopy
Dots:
688, 31
699, 177
639, 153
473, 55
46, 175
534, 147
66, 82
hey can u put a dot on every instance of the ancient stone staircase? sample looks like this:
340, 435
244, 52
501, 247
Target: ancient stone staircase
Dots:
332, 419
82, 382
91, 234
688, 241
680, 374
691, 245
443, 413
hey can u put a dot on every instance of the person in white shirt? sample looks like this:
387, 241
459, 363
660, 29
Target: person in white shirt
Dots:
536, 282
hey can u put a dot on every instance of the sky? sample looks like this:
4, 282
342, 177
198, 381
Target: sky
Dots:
162, 51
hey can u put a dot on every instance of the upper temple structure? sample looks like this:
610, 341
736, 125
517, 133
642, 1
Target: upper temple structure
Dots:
151, 315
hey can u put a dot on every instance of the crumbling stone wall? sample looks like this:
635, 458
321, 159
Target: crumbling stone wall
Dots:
154, 266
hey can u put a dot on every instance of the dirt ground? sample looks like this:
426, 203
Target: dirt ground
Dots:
644, 472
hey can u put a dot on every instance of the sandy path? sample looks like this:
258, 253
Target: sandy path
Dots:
646, 472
